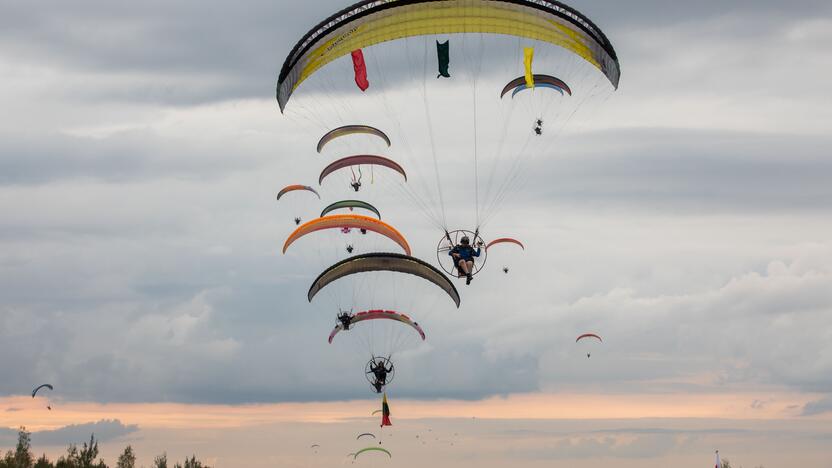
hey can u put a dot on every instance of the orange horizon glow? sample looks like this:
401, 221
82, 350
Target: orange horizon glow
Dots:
24, 411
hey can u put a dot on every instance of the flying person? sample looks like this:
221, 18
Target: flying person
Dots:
505, 270
345, 318
538, 127
380, 371
350, 248
463, 255
297, 221
356, 182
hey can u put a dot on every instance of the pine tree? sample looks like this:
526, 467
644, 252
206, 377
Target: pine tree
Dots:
127, 459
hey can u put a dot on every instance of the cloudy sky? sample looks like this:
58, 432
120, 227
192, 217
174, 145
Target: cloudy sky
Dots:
140, 269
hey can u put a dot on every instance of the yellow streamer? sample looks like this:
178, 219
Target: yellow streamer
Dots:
528, 56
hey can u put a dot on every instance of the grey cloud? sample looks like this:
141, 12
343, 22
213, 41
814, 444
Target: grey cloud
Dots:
687, 171
105, 430
824, 405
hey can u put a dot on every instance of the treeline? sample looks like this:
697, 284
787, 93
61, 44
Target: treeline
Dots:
85, 456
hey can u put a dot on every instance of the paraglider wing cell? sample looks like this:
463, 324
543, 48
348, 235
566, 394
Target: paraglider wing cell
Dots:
384, 262
361, 159
371, 22
348, 221
351, 130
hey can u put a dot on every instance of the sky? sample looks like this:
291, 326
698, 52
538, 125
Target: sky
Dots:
686, 219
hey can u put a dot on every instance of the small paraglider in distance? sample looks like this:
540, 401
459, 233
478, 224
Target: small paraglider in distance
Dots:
588, 335
297, 188
38, 388
350, 248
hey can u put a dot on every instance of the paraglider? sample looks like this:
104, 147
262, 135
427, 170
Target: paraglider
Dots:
35, 392
365, 434
295, 188
545, 81
358, 160
347, 322
348, 221
555, 23
351, 130
372, 449
588, 335
383, 262
504, 240
351, 204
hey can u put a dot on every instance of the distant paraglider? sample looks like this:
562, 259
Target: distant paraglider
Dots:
351, 130
37, 389
372, 449
588, 335
295, 188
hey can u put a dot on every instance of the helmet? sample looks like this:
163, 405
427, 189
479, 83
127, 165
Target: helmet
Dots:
465, 240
